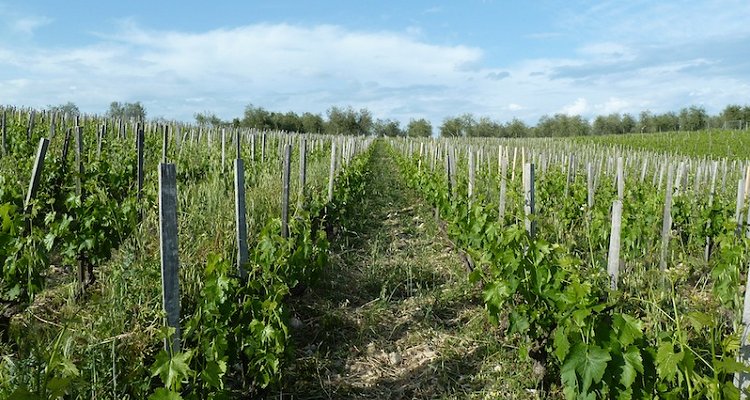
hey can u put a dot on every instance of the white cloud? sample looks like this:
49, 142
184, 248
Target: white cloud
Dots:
578, 107
396, 74
613, 105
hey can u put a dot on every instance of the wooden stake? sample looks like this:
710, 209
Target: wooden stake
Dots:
666, 228
36, 173
332, 170
613, 258
240, 216
529, 206
285, 178
170, 282
503, 185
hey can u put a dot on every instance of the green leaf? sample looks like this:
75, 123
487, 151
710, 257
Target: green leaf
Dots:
164, 394
730, 366
628, 329
49, 241
667, 360
214, 372
57, 387
568, 374
562, 345
594, 366
172, 370
699, 320
633, 365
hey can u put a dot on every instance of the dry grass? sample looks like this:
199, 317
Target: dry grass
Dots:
394, 317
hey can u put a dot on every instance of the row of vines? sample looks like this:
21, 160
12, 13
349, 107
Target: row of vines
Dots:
669, 332
107, 341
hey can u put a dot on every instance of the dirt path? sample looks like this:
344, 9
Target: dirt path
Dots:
395, 317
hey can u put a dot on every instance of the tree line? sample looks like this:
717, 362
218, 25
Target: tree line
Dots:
348, 121
338, 120
692, 118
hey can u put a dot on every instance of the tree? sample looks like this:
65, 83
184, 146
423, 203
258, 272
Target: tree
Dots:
419, 128
312, 123
628, 123
387, 127
256, 117
346, 121
516, 128
452, 127
68, 108
128, 111
207, 118
485, 127
562, 125
693, 118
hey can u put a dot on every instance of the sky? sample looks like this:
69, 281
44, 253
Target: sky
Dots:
401, 60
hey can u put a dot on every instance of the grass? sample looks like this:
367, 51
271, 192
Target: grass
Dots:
395, 316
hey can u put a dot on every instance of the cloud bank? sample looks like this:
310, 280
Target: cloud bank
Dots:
396, 74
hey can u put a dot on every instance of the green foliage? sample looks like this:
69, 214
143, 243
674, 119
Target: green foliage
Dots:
554, 295
419, 128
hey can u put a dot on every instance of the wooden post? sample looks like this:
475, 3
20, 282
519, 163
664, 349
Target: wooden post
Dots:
79, 193
52, 120
590, 184
36, 173
331, 171
66, 145
263, 147
529, 206
30, 127
240, 216
302, 170
503, 185
140, 137
643, 169
740, 205
452, 161
223, 148
238, 145
164, 143
252, 146
99, 139
170, 283
471, 174
286, 171
448, 173
666, 228
4, 133
79, 159
613, 258
620, 179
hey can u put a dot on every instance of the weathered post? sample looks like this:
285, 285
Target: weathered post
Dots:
503, 184
331, 171
36, 173
666, 228
170, 283
302, 170
529, 206
285, 178
613, 258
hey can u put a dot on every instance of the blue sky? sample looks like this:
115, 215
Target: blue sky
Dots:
401, 60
